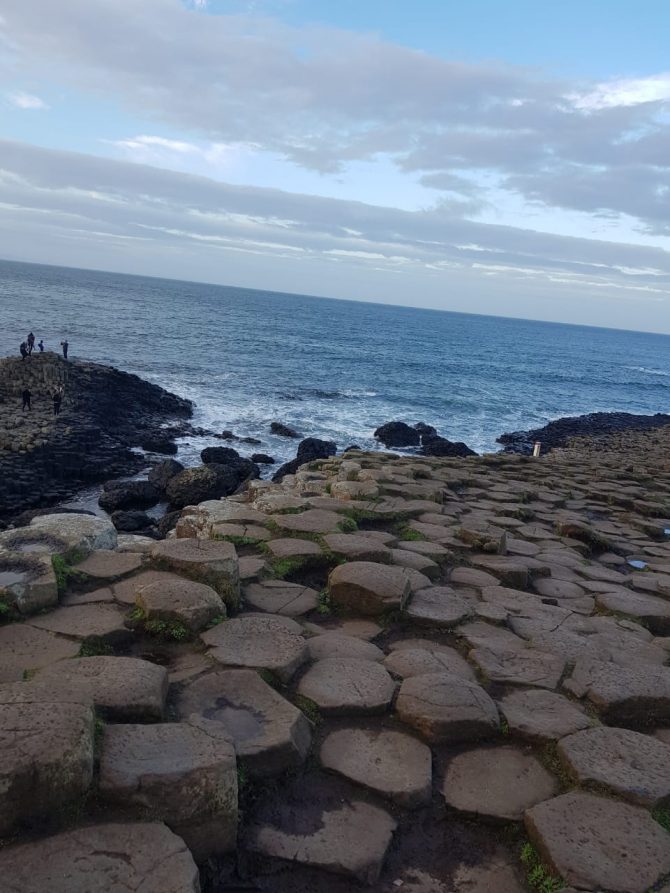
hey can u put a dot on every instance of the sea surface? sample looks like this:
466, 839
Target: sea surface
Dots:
331, 368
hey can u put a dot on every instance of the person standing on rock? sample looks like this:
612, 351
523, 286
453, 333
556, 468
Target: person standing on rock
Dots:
26, 396
31, 342
40, 344
65, 346
24, 350
58, 399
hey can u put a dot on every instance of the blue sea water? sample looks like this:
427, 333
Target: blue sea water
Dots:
331, 368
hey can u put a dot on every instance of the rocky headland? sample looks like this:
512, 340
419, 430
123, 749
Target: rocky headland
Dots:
381, 672
104, 414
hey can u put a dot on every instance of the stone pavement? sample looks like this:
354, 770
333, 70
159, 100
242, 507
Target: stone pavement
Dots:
385, 672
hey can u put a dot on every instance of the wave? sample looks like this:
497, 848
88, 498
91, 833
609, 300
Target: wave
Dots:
649, 371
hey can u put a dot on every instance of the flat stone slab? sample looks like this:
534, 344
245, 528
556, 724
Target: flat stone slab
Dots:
416, 562
653, 611
393, 764
419, 661
348, 686
47, 760
480, 634
106, 565
292, 547
123, 689
311, 521
145, 857
542, 716
354, 547
509, 571
440, 606
447, 708
472, 577
519, 667
338, 645
496, 783
626, 696
125, 591
561, 590
102, 621
260, 642
349, 838
252, 568
635, 766
192, 604
213, 562
345, 626
25, 648
270, 734
183, 776
599, 844
369, 588
280, 597
79, 533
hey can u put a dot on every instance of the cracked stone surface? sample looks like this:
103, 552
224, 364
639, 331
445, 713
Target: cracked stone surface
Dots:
280, 597
260, 641
368, 588
341, 686
543, 716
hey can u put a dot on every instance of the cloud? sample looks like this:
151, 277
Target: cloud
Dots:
624, 92
26, 101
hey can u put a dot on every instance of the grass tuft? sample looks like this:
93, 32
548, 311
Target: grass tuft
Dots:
537, 874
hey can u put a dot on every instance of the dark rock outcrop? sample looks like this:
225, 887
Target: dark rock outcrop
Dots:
262, 459
158, 444
440, 446
398, 434
128, 495
218, 455
105, 412
425, 430
132, 522
194, 485
160, 475
559, 432
309, 449
282, 430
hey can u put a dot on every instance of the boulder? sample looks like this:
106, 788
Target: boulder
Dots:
212, 562
129, 521
159, 444
309, 449
282, 430
80, 534
270, 734
128, 495
496, 783
183, 776
595, 843
390, 763
219, 455
365, 587
258, 641
262, 459
347, 686
397, 434
47, 760
447, 708
160, 475
27, 581
143, 856
194, 485
634, 766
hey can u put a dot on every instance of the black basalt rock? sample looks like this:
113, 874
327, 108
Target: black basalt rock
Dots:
310, 449
398, 434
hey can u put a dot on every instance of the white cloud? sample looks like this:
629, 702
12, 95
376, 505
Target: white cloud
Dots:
26, 101
624, 92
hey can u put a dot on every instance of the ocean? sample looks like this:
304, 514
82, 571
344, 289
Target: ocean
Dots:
332, 368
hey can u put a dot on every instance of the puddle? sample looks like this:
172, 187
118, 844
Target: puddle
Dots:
241, 723
9, 578
638, 565
31, 547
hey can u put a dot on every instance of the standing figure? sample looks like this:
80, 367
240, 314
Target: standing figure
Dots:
64, 345
26, 396
24, 350
31, 342
58, 399
40, 344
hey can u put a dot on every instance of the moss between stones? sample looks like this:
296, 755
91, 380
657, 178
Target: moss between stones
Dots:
166, 630
310, 709
538, 875
65, 572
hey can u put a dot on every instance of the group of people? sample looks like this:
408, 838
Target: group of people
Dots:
56, 396
26, 347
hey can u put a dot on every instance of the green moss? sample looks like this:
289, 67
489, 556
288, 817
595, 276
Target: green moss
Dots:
504, 727
409, 534
94, 646
269, 677
215, 621
538, 876
324, 605
136, 614
237, 540
662, 815
348, 525
7, 612
283, 567
310, 709
169, 630
65, 572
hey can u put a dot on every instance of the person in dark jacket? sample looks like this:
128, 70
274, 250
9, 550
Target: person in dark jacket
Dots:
65, 346
31, 342
24, 350
40, 344
26, 396
58, 399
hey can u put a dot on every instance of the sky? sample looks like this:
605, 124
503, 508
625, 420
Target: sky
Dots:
505, 158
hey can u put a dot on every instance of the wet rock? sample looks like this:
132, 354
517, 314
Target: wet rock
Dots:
262, 459
309, 450
105, 858
128, 495
183, 776
397, 434
440, 446
282, 430
130, 521
496, 783
447, 708
390, 763
269, 733
599, 844
160, 475
194, 485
